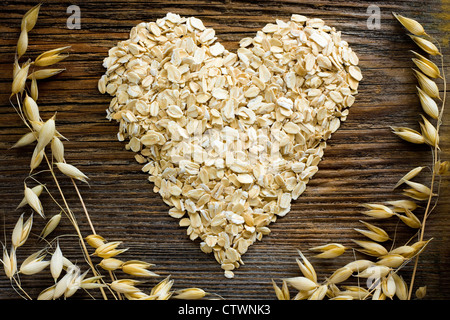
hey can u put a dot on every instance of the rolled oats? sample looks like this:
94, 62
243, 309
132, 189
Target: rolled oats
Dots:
229, 139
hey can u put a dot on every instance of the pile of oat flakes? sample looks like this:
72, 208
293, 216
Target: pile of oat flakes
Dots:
229, 139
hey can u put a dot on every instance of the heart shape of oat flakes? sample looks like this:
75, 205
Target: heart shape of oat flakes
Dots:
229, 139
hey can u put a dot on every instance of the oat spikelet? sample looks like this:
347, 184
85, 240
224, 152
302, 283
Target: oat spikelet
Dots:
388, 286
402, 205
34, 91
34, 263
51, 225
427, 66
359, 265
57, 148
379, 214
37, 125
420, 245
427, 85
319, 293
47, 294
374, 271
429, 132
125, 286
283, 293
9, 262
138, 269
340, 275
443, 167
356, 292
278, 292
306, 267
16, 68
18, 83
74, 284
36, 159
22, 43
301, 283
45, 61
391, 260
33, 201
419, 187
46, 134
409, 135
37, 190
371, 248
302, 295
31, 109
140, 296
50, 53
111, 264
63, 284
21, 231
375, 233
421, 292
342, 297
378, 293
56, 262
401, 288
378, 211
94, 240
411, 174
410, 219
189, 294
91, 283
405, 251
45, 73
329, 251
30, 18
425, 45
109, 250
411, 25
414, 194
71, 171
162, 290
25, 140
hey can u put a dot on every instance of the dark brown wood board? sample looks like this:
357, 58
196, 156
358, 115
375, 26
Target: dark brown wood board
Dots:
362, 161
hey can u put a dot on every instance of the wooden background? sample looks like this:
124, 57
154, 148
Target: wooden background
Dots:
361, 164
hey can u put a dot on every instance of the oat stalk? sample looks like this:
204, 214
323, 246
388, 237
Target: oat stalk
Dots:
67, 276
436, 160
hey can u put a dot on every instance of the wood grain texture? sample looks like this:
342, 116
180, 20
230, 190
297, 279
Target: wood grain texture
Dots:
362, 162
